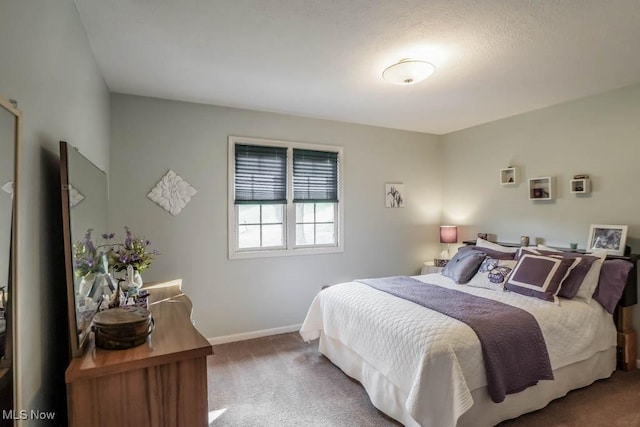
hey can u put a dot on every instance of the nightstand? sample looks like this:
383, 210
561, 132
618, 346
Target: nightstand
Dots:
429, 268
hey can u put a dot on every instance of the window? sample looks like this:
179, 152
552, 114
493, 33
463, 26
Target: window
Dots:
283, 198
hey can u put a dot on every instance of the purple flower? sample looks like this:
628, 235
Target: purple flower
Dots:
147, 242
123, 258
155, 252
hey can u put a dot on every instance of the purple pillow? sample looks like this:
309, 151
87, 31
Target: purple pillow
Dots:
463, 266
538, 276
613, 278
570, 285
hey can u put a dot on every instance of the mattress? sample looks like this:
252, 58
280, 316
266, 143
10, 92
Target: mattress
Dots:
431, 364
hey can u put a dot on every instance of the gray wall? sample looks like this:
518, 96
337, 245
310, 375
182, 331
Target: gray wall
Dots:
598, 136
47, 65
150, 136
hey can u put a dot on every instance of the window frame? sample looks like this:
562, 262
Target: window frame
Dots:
289, 215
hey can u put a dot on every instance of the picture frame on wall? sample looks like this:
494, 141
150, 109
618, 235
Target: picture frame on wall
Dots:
610, 238
394, 195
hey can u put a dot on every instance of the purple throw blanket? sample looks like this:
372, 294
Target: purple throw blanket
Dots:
513, 348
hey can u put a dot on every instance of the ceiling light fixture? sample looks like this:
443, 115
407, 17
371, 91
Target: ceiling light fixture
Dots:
408, 72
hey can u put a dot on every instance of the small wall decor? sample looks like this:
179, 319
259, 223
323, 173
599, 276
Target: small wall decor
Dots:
75, 197
394, 195
580, 184
509, 176
611, 238
172, 192
541, 188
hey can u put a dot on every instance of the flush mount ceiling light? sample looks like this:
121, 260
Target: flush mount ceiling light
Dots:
408, 71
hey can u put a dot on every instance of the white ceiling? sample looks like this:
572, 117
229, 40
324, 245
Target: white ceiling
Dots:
324, 58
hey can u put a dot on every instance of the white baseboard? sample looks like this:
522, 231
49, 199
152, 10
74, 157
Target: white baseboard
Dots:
255, 334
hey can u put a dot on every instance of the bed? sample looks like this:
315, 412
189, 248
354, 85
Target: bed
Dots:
424, 368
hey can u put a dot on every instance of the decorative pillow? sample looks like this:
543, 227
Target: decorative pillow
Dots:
577, 272
464, 264
538, 276
613, 278
492, 273
590, 281
547, 248
482, 243
493, 253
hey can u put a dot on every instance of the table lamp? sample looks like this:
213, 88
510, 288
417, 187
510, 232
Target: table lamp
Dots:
448, 235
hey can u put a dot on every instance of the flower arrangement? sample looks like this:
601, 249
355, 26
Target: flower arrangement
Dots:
89, 258
135, 251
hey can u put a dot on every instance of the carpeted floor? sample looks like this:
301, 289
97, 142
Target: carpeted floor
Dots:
283, 381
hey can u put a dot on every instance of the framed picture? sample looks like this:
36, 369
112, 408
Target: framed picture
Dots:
611, 238
394, 195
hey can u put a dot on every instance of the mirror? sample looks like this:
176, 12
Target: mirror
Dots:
84, 216
10, 118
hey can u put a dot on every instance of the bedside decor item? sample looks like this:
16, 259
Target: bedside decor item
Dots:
448, 235
393, 194
524, 241
610, 238
440, 262
172, 193
122, 328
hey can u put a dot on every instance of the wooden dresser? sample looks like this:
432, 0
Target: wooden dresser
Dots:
160, 383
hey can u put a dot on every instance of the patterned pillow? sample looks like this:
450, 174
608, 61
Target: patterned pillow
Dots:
492, 274
577, 272
538, 276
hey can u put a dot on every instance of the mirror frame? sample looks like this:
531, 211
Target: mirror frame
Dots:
12, 333
76, 344
78, 339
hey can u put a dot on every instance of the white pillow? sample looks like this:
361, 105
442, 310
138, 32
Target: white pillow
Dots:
590, 282
481, 243
547, 248
492, 274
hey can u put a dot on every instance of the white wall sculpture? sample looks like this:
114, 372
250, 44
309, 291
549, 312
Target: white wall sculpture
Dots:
172, 192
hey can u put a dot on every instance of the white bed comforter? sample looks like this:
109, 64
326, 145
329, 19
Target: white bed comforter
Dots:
436, 360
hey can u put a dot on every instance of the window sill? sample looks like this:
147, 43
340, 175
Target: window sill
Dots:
285, 252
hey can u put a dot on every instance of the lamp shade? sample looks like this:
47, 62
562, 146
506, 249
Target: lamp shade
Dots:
448, 234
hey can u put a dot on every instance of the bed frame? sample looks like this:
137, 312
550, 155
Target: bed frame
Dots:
627, 336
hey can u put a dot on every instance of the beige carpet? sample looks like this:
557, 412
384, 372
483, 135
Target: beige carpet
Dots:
283, 381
